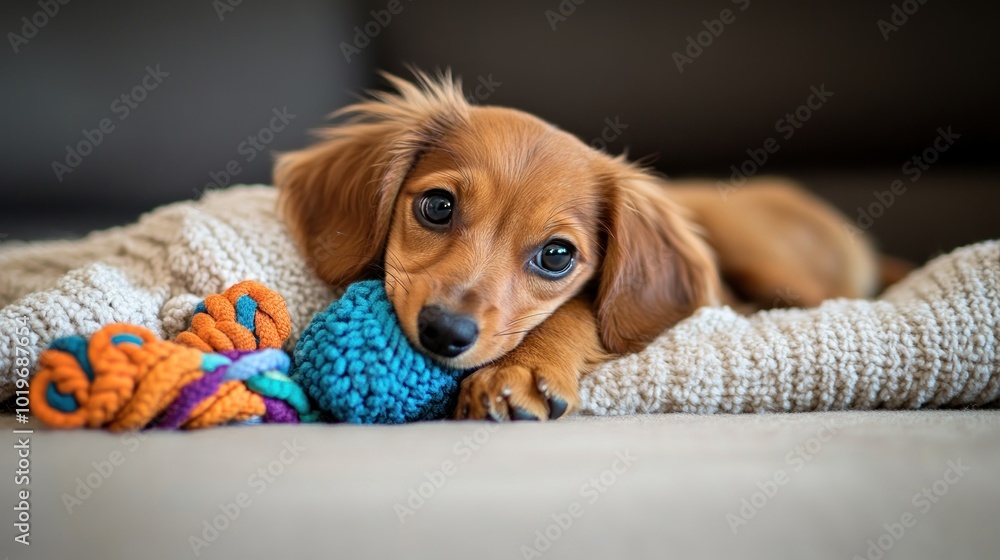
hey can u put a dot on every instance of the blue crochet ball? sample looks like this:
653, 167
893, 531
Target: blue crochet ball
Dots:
355, 362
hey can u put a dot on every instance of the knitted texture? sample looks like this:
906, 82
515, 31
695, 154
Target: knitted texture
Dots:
930, 341
152, 273
355, 361
126, 378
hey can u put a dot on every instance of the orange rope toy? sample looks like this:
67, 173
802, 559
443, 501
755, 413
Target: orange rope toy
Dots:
227, 367
247, 316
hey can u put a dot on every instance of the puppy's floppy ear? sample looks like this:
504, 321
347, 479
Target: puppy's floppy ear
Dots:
656, 269
338, 195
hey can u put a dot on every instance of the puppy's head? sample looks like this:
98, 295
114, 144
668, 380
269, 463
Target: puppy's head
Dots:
484, 220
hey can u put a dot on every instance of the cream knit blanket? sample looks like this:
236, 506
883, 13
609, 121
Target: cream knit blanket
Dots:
931, 341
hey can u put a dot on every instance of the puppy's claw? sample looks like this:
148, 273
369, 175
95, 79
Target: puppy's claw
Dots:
519, 392
557, 407
491, 411
518, 413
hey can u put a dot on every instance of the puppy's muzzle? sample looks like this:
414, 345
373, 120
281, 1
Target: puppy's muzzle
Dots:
445, 333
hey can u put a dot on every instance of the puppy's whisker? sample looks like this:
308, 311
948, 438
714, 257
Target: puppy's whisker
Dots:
423, 268
513, 324
519, 319
398, 282
512, 333
398, 265
383, 268
393, 276
380, 267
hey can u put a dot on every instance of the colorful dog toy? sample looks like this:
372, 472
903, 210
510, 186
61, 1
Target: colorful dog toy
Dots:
353, 360
247, 316
125, 378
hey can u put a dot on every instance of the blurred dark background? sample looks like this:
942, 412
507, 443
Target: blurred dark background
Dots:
205, 80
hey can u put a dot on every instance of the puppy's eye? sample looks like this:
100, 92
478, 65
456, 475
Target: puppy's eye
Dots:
555, 259
434, 208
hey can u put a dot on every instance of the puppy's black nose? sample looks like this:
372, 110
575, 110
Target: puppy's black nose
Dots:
444, 333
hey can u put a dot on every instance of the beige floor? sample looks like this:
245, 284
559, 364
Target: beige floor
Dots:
815, 485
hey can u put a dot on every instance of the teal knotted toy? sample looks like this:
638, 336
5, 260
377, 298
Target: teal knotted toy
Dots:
355, 362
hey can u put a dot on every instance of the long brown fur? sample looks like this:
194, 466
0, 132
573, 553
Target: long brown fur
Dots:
642, 261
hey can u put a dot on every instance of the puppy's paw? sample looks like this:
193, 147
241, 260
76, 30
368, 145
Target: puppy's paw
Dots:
518, 390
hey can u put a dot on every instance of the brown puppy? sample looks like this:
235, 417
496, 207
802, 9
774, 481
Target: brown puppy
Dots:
510, 246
